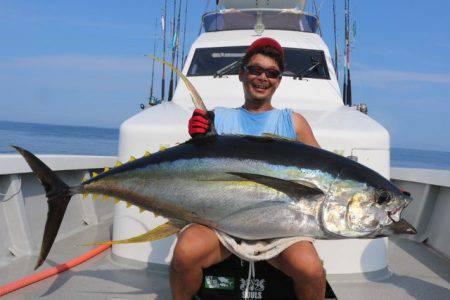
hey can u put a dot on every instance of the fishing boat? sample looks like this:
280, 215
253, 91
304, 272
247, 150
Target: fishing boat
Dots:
417, 267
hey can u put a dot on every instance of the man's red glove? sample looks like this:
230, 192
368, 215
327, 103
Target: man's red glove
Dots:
199, 123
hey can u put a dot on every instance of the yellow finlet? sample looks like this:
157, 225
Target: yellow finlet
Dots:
94, 196
117, 164
162, 148
94, 174
146, 153
128, 204
116, 200
105, 198
156, 215
158, 233
106, 169
85, 196
132, 158
141, 210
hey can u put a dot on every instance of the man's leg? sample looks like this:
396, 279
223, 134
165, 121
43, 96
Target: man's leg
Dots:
197, 248
301, 262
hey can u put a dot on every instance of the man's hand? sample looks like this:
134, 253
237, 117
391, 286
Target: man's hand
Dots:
199, 123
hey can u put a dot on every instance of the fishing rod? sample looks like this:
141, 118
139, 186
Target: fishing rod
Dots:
152, 99
177, 50
336, 63
163, 24
184, 35
347, 79
173, 48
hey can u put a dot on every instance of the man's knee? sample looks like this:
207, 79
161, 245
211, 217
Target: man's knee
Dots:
301, 261
197, 245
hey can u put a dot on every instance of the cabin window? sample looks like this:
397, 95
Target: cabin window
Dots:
207, 61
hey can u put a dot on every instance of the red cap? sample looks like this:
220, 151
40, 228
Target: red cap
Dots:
266, 41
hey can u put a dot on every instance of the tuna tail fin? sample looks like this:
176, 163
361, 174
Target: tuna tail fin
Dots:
58, 196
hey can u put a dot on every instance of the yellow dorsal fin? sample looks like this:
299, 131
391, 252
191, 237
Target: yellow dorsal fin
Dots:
106, 169
94, 174
146, 153
141, 210
117, 164
132, 158
158, 233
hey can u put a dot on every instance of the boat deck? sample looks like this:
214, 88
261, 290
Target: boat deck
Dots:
417, 273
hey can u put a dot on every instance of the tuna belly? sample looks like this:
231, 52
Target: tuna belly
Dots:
270, 219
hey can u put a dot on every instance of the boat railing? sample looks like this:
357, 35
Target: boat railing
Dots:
23, 207
429, 212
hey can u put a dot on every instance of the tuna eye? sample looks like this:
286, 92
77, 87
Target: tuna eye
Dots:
383, 197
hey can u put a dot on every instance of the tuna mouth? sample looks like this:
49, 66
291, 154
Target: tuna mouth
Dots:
394, 215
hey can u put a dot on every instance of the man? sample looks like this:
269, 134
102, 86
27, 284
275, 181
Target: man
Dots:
198, 246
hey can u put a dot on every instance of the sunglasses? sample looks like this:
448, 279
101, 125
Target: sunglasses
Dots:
257, 70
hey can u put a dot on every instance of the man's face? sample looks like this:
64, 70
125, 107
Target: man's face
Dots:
259, 87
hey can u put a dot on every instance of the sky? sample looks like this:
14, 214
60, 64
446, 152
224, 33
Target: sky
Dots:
82, 62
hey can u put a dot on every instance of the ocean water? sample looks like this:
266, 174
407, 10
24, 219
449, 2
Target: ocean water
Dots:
58, 139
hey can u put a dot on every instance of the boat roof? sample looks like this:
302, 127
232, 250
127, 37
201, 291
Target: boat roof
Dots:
260, 19
280, 4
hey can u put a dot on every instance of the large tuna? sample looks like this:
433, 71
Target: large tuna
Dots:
248, 187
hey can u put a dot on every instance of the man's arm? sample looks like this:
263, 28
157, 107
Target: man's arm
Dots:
303, 130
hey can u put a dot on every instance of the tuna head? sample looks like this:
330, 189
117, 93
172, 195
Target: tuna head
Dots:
377, 212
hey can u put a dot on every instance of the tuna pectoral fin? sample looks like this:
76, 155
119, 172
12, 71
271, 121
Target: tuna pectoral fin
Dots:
58, 196
294, 189
402, 227
158, 233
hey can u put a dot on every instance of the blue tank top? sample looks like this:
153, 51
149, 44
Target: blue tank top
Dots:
240, 121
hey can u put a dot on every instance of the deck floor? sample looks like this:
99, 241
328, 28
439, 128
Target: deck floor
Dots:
417, 273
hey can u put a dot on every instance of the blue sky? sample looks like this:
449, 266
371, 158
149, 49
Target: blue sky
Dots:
81, 62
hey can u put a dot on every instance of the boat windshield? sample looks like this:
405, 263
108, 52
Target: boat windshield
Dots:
207, 61
270, 19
